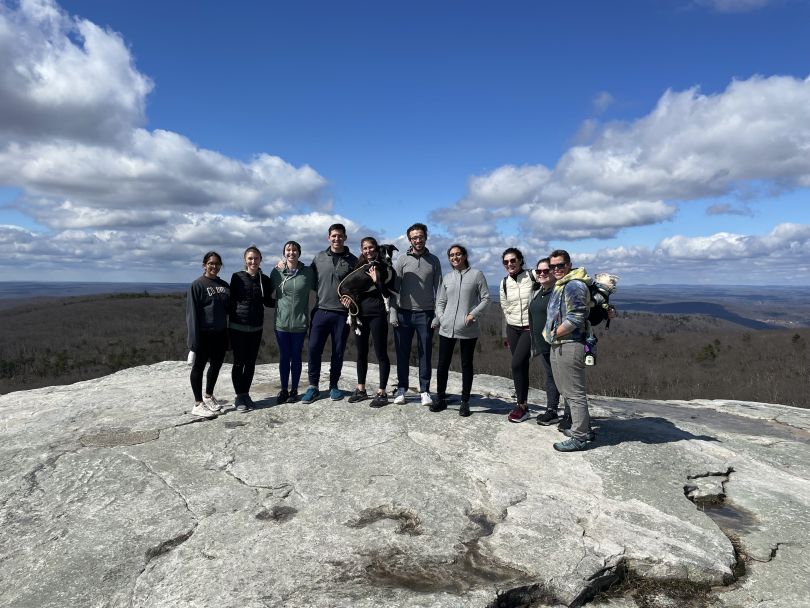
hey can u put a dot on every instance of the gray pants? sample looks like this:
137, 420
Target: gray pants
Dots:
568, 367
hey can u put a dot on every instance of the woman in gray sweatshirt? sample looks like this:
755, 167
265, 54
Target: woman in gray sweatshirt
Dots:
462, 298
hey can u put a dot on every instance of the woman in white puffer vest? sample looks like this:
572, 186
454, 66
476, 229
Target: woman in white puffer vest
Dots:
515, 295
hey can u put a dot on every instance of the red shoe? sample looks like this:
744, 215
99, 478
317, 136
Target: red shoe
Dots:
519, 414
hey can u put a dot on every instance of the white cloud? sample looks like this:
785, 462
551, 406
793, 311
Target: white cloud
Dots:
602, 101
690, 146
72, 138
65, 77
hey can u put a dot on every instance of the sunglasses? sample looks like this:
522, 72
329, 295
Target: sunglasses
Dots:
543, 270
559, 266
510, 261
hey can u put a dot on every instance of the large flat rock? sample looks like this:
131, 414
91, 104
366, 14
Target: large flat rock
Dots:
112, 495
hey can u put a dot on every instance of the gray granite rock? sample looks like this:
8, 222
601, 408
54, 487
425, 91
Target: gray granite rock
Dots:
112, 495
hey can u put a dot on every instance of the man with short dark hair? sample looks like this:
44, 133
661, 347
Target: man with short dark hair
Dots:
566, 329
419, 275
329, 315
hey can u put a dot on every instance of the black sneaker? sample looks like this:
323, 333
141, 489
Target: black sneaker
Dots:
380, 400
464, 410
439, 405
358, 395
565, 423
282, 396
548, 418
293, 396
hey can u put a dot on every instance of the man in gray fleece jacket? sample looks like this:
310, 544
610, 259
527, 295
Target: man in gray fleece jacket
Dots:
419, 275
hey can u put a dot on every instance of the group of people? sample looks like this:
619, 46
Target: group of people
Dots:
545, 313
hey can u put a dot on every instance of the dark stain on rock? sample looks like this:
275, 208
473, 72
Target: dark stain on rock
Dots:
525, 596
232, 424
409, 522
168, 545
118, 437
279, 513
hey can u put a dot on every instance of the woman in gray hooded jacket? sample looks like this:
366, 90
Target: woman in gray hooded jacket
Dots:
462, 298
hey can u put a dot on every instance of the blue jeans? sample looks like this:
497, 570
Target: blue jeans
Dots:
325, 324
410, 322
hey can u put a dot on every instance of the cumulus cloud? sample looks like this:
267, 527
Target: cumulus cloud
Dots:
73, 141
690, 146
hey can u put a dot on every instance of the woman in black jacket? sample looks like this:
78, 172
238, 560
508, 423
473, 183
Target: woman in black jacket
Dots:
207, 321
250, 293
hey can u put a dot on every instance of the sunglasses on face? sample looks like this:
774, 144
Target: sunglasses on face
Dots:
543, 270
510, 261
559, 266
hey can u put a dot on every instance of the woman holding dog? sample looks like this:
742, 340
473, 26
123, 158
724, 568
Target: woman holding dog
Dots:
250, 293
291, 283
463, 296
373, 322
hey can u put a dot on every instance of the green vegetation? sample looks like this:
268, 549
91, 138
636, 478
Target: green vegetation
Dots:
642, 355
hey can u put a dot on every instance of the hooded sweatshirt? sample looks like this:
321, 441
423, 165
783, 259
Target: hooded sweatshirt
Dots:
569, 301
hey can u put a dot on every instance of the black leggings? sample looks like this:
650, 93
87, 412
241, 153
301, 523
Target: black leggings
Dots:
211, 347
446, 347
520, 343
377, 328
245, 345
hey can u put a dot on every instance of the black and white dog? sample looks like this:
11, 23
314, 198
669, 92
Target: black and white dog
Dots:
358, 282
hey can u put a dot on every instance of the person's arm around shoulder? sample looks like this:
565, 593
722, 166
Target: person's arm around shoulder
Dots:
267, 290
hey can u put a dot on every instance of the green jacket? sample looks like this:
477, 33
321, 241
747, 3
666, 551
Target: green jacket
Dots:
291, 290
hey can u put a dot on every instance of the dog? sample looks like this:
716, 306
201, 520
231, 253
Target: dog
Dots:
358, 282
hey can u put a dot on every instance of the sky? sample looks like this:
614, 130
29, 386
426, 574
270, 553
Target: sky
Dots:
664, 141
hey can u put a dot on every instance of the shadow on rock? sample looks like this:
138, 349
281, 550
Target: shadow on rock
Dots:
649, 429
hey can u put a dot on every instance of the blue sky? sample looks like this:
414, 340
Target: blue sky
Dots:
663, 141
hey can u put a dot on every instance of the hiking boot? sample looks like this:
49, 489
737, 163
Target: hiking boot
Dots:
519, 414
565, 422
589, 436
282, 396
548, 418
358, 395
335, 394
399, 396
464, 409
311, 395
427, 399
571, 444
212, 403
293, 397
200, 411
380, 400
438, 405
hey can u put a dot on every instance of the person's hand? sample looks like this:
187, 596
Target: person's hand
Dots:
281, 264
434, 324
192, 357
372, 272
611, 312
392, 317
469, 320
505, 343
346, 301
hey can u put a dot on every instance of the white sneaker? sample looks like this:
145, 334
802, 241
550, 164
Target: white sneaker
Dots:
212, 403
200, 411
426, 399
399, 396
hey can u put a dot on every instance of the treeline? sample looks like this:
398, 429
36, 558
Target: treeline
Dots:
642, 355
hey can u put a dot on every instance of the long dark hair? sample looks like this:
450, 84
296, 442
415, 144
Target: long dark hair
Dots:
361, 259
463, 252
